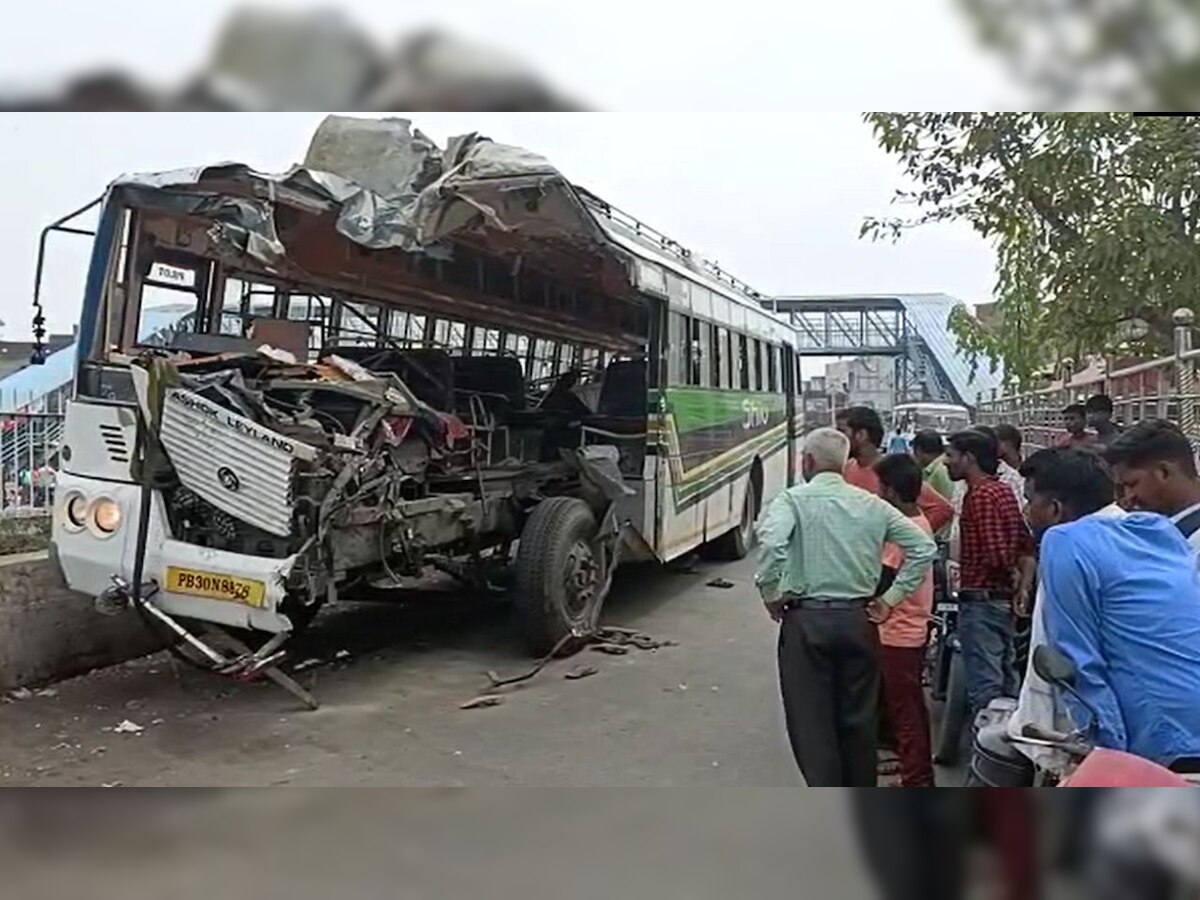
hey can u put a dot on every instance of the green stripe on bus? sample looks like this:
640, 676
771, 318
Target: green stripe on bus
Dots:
696, 408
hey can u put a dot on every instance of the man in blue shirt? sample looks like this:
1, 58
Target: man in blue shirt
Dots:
1122, 601
898, 442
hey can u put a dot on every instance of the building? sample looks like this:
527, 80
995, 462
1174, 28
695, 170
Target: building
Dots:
864, 381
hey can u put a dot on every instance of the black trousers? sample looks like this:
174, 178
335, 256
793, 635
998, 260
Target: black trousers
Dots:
829, 678
914, 841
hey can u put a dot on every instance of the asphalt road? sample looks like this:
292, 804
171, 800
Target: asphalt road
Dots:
703, 712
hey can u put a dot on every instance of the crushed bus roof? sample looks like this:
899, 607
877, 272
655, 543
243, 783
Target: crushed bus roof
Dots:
390, 186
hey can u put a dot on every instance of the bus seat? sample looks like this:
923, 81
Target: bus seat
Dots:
499, 380
621, 413
623, 391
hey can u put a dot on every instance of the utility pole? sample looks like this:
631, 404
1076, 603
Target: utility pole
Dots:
1185, 370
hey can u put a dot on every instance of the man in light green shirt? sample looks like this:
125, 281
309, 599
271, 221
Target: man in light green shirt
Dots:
929, 450
819, 568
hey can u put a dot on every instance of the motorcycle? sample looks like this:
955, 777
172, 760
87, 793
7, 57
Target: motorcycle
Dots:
944, 676
996, 761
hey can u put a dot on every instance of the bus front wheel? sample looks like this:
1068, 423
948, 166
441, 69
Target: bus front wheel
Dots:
559, 578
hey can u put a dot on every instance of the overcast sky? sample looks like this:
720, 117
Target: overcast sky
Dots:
618, 55
776, 198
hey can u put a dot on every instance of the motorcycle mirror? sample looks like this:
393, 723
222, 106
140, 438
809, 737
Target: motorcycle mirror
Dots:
1053, 666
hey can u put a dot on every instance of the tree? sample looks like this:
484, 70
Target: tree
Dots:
1107, 54
1095, 219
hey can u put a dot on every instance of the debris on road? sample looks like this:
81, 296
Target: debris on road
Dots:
46, 692
608, 639
610, 649
483, 701
580, 672
20, 693
342, 654
631, 638
308, 664
720, 583
563, 643
128, 727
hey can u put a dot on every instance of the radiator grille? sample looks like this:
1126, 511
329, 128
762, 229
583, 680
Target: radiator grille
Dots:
233, 463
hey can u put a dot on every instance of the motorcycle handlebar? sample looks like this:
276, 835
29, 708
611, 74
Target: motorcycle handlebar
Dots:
1071, 743
1033, 730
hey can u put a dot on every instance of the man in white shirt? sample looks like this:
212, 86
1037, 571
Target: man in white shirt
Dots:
1009, 440
1154, 465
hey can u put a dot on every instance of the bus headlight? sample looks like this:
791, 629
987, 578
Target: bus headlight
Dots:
75, 511
106, 515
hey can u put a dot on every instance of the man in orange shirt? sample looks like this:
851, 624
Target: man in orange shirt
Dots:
864, 429
1075, 422
903, 634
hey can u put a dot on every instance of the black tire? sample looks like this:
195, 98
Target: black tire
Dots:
739, 540
558, 578
952, 729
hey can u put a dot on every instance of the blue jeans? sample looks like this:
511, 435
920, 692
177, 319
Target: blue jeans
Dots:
985, 631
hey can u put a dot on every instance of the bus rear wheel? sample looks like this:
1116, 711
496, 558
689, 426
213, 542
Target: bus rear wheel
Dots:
737, 542
559, 577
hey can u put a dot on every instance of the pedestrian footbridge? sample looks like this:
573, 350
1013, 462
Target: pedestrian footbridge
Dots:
911, 328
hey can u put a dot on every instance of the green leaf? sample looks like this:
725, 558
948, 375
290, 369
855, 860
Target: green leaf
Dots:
1086, 213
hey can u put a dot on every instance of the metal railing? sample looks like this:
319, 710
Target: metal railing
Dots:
1163, 388
28, 460
669, 245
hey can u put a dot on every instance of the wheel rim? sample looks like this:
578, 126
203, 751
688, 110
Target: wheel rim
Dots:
580, 581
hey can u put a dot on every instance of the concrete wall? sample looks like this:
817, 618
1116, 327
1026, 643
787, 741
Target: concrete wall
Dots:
24, 531
49, 633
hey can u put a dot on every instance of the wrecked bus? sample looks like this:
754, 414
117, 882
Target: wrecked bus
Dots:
392, 359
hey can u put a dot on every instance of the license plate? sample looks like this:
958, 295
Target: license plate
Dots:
216, 586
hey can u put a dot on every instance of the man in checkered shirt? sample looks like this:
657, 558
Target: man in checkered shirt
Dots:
992, 538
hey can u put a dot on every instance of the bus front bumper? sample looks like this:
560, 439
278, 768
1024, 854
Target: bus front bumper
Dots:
193, 582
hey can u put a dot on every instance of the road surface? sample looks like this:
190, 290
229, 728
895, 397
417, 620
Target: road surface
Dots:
703, 712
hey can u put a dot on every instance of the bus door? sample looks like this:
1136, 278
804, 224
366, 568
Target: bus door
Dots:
791, 389
657, 478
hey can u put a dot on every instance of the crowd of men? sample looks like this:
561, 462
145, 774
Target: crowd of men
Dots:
1088, 546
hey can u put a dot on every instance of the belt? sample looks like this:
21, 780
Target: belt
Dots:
790, 603
971, 594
